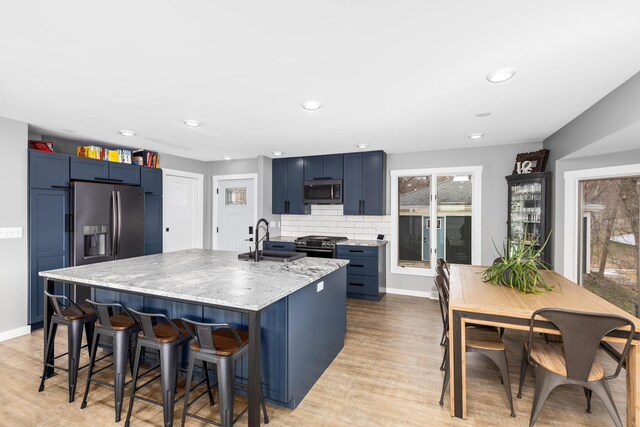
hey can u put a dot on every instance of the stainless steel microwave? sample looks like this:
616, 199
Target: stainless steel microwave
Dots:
323, 192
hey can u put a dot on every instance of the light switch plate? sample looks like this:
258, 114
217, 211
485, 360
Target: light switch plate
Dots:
320, 286
11, 233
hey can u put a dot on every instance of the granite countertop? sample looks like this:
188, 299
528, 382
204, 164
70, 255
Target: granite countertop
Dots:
362, 243
203, 276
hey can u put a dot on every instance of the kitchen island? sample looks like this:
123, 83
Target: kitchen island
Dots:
295, 312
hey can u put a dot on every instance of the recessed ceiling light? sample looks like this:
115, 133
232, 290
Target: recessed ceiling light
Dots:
362, 146
311, 105
125, 132
483, 114
500, 75
278, 153
191, 123
476, 136
227, 157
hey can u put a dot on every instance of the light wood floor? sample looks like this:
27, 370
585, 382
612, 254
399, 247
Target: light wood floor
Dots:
386, 375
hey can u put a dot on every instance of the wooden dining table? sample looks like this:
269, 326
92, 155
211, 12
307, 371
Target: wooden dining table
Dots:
473, 301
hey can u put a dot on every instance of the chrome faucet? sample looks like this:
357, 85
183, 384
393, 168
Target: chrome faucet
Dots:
266, 236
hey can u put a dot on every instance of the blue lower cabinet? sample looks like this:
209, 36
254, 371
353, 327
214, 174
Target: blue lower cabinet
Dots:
366, 272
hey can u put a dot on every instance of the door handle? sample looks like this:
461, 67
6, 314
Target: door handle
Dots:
250, 239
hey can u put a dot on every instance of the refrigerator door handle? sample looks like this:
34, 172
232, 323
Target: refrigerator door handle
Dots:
119, 220
114, 222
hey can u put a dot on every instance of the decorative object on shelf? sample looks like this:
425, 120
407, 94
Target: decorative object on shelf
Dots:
101, 153
534, 161
41, 146
519, 266
146, 158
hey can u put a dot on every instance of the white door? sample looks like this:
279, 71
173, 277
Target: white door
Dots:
236, 214
182, 205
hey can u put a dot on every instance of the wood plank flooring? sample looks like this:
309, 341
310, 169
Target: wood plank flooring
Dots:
387, 375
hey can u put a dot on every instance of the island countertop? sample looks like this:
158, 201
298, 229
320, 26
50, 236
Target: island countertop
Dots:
203, 276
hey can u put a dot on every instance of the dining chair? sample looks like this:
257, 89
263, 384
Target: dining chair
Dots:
573, 360
485, 341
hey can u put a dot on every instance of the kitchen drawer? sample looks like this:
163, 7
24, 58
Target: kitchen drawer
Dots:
363, 266
347, 252
280, 246
362, 285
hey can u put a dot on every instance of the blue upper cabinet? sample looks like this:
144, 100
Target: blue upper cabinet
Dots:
364, 183
151, 180
323, 167
288, 186
123, 173
83, 169
48, 170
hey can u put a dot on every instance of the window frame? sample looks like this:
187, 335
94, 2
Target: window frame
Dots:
476, 216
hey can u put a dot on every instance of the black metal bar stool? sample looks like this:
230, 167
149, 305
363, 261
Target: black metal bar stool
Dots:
67, 313
113, 321
222, 344
166, 336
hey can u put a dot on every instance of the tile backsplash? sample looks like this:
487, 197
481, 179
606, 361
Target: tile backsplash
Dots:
329, 220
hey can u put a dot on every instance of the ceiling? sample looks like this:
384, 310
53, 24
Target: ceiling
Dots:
401, 76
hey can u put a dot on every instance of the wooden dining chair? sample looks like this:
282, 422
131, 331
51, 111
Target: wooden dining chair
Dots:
573, 361
485, 341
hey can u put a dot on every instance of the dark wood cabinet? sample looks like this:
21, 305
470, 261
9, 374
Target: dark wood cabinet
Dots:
288, 186
529, 210
364, 183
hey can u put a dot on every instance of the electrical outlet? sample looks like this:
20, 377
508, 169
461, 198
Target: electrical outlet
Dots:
11, 233
320, 286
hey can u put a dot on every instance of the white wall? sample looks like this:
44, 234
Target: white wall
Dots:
13, 252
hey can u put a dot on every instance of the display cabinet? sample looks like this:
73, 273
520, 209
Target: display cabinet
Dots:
529, 210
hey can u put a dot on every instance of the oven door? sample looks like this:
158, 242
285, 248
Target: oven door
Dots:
317, 252
323, 192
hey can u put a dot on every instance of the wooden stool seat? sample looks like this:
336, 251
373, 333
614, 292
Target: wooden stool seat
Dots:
165, 333
225, 342
120, 322
551, 357
72, 313
487, 339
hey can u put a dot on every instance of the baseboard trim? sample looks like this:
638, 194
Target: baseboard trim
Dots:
15, 333
420, 294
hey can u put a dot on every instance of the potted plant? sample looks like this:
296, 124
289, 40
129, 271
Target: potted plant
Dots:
519, 267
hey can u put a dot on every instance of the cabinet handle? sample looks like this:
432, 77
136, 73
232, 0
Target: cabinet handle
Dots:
356, 251
356, 265
108, 179
277, 246
356, 284
148, 192
60, 187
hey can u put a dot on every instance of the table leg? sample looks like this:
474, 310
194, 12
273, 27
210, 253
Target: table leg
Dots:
633, 386
457, 366
255, 382
48, 312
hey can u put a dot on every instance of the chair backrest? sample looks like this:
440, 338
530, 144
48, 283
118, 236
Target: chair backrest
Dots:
440, 262
203, 333
61, 302
443, 298
148, 320
582, 334
106, 310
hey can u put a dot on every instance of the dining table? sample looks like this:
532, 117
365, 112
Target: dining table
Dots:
474, 301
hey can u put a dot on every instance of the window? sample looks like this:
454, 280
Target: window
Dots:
435, 213
235, 196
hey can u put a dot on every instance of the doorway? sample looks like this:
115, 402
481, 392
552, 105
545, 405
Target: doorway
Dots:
235, 211
182, 210
608, 240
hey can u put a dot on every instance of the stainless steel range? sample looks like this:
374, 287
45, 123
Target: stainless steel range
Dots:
318, 246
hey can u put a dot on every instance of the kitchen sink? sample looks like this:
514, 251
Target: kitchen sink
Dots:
277, 256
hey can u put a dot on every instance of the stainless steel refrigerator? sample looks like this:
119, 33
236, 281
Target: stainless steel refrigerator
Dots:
108, 224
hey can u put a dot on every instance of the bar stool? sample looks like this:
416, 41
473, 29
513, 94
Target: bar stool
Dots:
113, 321
166, 337
222, 344
67, 313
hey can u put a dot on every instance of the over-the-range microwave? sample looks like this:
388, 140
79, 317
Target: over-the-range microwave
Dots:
323, 192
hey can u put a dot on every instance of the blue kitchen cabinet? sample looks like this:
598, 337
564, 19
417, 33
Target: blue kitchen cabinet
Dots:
83, 169
49, 241
288, 186
323, 167
48, 170
366, 272
364, 183
152, 224
151, 180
